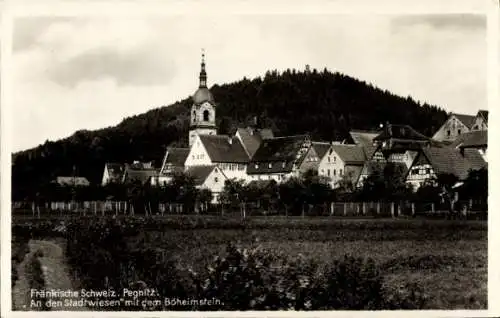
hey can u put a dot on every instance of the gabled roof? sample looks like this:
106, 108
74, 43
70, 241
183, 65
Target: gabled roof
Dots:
475, 139
142, 175
277, 155
280, 148
483, 114
321, 148
200, 173
115, 171
404, 132
363, 137
450, 160
72, 181
251, 138
350, 154
223, 148
174, 157
467, 120
471, 139
354, 172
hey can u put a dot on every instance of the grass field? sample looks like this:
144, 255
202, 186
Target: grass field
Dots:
447, 259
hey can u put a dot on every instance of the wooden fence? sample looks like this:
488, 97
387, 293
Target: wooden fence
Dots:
337, 209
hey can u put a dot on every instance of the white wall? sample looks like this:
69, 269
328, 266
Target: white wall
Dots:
453, 126
198, 155
331, 167
418, 174
234, 170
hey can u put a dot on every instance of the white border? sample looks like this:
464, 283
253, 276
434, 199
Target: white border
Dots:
218, 7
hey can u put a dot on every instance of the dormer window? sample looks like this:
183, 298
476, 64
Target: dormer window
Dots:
206, 115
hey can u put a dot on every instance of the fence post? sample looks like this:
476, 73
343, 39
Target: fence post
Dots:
433, 208
392, 209
345, 209
357, 208
378, 208
332, 209
363, 208
413, 209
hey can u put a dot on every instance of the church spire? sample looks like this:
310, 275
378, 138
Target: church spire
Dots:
203, 73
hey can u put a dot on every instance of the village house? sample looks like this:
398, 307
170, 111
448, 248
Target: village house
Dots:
342, 161
225, 151
140, 172
454, 126
397, 144
432, 161
208, 177
280, 158
173, 162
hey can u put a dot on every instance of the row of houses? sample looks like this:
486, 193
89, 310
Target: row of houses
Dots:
253, 154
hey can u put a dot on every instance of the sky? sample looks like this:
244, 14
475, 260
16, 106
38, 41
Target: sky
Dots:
89, 73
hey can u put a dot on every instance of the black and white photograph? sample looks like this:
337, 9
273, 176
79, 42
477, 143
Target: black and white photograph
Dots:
249, 162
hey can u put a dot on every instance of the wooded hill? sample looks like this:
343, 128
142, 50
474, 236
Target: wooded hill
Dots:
324, 104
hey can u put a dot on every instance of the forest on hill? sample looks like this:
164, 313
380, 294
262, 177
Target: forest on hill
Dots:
322, 103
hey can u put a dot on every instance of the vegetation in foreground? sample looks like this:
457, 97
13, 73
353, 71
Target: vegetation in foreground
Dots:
285, 264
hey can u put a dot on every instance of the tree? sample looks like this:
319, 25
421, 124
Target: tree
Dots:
205, 196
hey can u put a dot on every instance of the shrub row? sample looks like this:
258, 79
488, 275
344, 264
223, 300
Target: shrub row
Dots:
240, 279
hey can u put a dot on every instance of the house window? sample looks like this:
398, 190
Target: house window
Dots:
328, 158
340, 172
328, 172
330, 152
427, 171
448, 133
459, 131
334, 172
216, 179
322, 171
334, 159
206, 115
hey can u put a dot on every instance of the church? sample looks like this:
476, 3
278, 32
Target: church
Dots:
250, 154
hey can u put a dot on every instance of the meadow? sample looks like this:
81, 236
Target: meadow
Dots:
443, 261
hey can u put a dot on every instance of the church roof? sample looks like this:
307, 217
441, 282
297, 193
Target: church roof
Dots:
202, 95
223, 148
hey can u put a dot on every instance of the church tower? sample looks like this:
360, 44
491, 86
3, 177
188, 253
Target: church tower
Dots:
203, 109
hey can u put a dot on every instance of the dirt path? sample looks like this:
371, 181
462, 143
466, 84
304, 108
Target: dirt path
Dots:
55, 272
